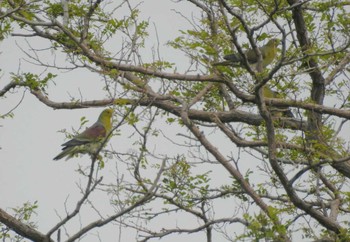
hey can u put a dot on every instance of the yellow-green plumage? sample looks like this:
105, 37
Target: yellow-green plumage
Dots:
89, 141
267, 92
276, 112
268, 54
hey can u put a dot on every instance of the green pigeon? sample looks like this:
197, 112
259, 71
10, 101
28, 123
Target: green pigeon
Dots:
268, 53
90, 140
276, 112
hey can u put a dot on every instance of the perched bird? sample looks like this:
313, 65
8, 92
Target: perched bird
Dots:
276, 112
268, 54
90, 140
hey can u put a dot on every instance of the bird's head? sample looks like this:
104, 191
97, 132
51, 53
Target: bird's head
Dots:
105, 118
106, 114
273, 42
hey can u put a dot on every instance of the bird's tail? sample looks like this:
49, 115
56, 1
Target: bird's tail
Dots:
281, 112
226, 63
288, 113
68, 151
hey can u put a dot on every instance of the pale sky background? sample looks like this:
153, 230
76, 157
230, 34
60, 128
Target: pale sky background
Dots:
31, 139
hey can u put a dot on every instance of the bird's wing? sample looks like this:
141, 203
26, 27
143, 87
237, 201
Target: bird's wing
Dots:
251, 56
94, 133
232, 58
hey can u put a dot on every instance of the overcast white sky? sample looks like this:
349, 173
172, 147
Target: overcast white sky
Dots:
31, 139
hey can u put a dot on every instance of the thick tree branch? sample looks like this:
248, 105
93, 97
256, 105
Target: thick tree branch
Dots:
22, 229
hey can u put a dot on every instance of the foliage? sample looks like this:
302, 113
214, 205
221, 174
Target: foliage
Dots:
204, 138
24, 215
